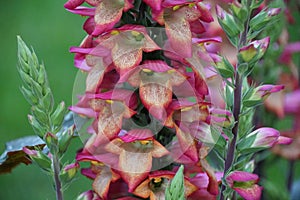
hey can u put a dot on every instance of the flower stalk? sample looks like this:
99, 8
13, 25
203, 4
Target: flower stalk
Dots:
45, 120
56, 170
237, 103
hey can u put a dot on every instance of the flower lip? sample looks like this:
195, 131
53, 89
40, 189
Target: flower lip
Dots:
137, 134
84, 11
241, 176
207, 40
116, 94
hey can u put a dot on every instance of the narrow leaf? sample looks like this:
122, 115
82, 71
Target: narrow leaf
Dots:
175, 190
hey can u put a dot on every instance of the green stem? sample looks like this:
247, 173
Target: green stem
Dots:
56, 170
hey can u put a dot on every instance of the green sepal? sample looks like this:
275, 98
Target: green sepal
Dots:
40, 116
26, 78
229, 95
67, 176
240, 12
47, 101
42, 161
52, 142
30, 98
243, 68
231, 26
250, 99
65, 138
23, 66
57, 117
37, 89
41, 79
225, 69
244, 145
23, 50
38, 129
260, 21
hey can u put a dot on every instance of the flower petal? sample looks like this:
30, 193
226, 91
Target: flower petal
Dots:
241, 176
251, 193
156, 97
71, 4
143, 189
96, 74
137, 134
159, 150
102, 182
179, 34
187, 143
154, 4
108, 13
131, 172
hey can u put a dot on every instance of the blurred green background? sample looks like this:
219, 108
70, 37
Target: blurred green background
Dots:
50, 30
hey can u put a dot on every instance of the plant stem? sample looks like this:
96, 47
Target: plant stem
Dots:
229, 161
56, 170
236, 113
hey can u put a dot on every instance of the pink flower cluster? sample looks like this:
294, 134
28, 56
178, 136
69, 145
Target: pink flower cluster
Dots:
153, 96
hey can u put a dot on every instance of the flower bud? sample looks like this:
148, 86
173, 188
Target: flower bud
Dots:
69, 172
231, 27
265, 90
51, 141
261, 20
264, 137
88, 195
65, 139
39, 158
221, 117
257, 95
239, 11
244, 183
255, 50
38, 129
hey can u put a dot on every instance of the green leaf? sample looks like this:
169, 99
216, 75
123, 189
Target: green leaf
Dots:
175, 190
14, 155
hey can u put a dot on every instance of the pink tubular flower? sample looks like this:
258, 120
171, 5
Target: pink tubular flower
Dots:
255, 50
265, 90
177, 17
102, 174
106, 14
154, 185
111, 107
244, 183
267, 137
136, 145
188, 119
127, 45
155, 80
